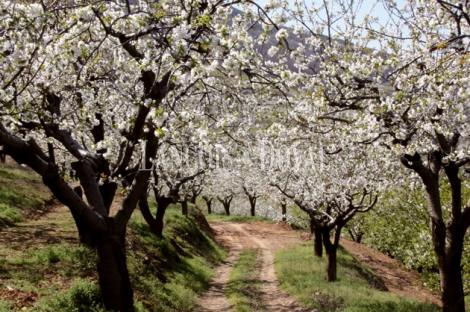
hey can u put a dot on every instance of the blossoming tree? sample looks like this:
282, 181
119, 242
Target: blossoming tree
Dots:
82, 88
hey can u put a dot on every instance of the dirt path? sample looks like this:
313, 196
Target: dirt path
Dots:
214, 298
267, 239
264, 238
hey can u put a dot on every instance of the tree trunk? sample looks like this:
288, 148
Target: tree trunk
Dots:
116, 289
145, 211
252, 206
155, 224
317, 240
208, 201
2, 158
447, 239
331, 254
452, 289
192, 200
331, 265
162, 205
359, 237
85, 232
227, 208
450, 273
226, 203
184, 207
284, 211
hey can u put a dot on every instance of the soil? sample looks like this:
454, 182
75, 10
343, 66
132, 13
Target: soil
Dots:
19, 298
43, 230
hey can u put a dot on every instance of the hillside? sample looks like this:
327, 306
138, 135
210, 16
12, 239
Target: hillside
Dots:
44, 268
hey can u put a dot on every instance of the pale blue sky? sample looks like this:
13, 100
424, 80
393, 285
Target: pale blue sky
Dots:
378, 9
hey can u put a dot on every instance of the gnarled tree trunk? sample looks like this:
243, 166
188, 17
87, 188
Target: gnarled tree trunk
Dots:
226, 203
331, 250
184, 207
252, 205
155, 223
227, 208
317, 239
116, 289
208, 201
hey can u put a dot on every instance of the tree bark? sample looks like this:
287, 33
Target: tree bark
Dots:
317, 240
284, 211
116, 289
155, 224
330, 250
145, 211
447, 239
208, 201
450, 272
451, 284
252, 206
85, 232
184, 207
227, 208
162, 205
226, 203
331, 270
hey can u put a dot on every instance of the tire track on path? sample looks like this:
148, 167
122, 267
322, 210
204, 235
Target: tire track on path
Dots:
272, 296
264, 238
214, 299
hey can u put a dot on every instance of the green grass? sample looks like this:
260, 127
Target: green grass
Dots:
83, 296
304, 276
61, 275
243, 286
20, 190
236, 218
175, 269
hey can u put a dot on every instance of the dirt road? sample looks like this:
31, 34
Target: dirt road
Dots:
267, 239
264, 238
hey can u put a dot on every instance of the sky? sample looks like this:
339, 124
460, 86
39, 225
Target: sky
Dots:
378, 11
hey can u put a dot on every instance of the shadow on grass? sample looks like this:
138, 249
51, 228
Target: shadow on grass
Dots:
348, 260
392, 306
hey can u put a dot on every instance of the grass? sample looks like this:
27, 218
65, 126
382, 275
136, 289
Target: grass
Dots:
236, 218
243, 286
166, 274
175, 269
20, 192
304, 276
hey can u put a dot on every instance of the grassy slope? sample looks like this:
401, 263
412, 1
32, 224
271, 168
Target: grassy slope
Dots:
304, 277
20, 191
166, 274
